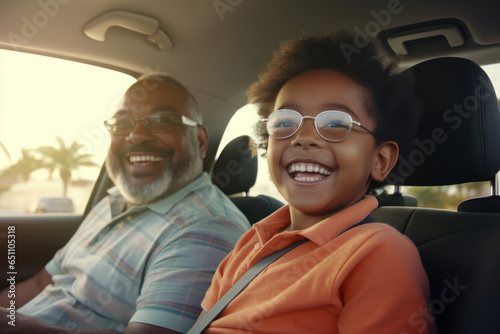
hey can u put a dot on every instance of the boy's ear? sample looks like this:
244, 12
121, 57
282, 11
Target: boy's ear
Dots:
386, 158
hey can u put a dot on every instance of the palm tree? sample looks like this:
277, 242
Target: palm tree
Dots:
23, 168
66, 159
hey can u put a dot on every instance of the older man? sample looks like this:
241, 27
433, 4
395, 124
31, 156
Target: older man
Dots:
142, 259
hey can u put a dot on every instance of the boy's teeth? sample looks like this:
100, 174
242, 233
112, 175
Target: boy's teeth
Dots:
307, 179
145, 158
310, 168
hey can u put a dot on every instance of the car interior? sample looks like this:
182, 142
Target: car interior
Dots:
217, 48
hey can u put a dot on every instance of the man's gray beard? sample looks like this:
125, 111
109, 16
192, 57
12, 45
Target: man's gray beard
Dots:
174, 177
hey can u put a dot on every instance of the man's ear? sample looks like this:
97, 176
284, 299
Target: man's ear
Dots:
202, 135
385, 159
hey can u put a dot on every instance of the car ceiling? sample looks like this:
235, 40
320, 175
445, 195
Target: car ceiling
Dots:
220, 46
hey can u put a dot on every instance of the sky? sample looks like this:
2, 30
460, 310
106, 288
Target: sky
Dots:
44, 98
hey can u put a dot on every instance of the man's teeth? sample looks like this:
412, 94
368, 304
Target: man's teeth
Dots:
145, 158
310, 168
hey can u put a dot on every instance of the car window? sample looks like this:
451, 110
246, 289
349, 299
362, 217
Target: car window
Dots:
52, 139
447, 197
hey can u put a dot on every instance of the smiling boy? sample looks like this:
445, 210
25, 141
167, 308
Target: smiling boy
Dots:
332, 130
347, 166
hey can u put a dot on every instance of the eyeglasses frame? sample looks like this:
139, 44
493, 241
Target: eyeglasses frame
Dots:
184, 121
265, 120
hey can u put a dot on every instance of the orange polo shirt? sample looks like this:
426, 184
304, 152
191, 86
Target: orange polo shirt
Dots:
368, 279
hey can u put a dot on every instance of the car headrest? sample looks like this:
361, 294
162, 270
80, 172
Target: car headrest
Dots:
235, 170
459, 134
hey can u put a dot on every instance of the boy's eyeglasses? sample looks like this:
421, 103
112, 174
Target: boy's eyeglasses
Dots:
155, 123
331, 125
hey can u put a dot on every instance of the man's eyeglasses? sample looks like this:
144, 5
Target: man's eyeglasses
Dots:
331, 125
154, 123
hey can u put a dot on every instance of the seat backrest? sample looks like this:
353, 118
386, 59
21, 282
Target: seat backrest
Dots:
458, 141
235, 172
460, 253
481, 204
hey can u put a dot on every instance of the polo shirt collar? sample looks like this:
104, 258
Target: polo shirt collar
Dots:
329, 228
321, 233
272, 224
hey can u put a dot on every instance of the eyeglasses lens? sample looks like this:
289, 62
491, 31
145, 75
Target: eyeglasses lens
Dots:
161, 122
334, 125
153, 123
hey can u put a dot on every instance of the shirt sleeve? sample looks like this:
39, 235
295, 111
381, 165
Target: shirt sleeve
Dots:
385, 288
211, 296
180, 271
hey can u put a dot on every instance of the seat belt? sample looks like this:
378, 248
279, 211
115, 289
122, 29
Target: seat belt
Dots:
244, 280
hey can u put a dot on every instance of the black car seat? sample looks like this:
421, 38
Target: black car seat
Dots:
458, 141
235, 172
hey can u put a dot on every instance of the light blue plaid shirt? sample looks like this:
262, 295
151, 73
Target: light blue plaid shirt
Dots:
149, 264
